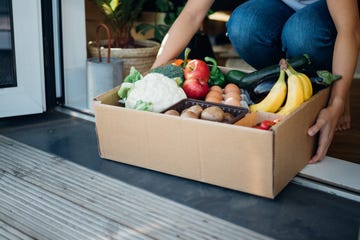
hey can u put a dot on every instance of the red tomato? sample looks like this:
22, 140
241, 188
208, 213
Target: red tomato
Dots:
266, 124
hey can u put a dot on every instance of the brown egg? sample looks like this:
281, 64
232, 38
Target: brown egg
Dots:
213, 95
213, 100
216, 88
234, 95
231, 87
232, 101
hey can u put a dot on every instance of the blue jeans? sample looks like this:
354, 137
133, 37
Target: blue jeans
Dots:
264, 31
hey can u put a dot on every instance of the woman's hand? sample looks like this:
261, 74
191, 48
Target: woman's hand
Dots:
325, 125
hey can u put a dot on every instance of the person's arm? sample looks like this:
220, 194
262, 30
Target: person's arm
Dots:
345, 56
182, 30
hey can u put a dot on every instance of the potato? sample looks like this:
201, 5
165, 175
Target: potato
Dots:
228, 117
196, 109
188, 114
213, 113
172, 112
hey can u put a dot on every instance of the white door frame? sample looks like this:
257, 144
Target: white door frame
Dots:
29, 95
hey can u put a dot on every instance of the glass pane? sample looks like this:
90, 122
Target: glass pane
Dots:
7, 51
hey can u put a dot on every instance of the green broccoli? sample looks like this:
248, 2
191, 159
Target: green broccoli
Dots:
171, 71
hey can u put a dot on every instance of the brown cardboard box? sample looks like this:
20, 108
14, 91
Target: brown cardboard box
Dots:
235, 156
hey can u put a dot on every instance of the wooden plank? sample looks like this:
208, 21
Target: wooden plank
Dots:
45, 195
11, 233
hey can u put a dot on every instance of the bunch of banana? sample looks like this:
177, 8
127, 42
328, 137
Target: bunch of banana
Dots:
275, 98
297, 90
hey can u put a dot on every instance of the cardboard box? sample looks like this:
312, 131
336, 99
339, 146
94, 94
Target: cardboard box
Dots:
234, 156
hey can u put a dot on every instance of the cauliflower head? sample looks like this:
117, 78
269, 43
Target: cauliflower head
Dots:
154, 92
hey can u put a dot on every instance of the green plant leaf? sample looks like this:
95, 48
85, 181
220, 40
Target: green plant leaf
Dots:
143, 28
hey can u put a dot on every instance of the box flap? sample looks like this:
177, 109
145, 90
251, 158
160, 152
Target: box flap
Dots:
291, 154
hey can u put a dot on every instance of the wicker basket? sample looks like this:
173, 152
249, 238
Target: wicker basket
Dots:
142, 58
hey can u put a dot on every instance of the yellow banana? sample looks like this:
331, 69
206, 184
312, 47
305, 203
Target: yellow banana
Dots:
295, 95
275, 98
306, 82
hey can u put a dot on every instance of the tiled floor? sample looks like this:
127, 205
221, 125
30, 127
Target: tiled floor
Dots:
296, 213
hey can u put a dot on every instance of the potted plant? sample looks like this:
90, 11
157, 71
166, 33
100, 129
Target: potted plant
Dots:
166, 13
119, 16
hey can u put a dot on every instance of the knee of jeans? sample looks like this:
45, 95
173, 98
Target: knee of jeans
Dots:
297, 40
237, 34
296, 43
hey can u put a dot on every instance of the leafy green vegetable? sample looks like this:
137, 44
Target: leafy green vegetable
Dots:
171, 71
124, 89
128, 82
144, 106
217, 77
327, 77
133, 76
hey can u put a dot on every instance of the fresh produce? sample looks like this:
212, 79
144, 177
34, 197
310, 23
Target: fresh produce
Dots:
182, 62
194, 88
134, 75
249, 80
266, 124
295, 95
213, 113
261, 90
299, 89
210, 113
234, 76
196, 74
192, 112
197, 69
128, 82
154, 92
275, 98
217, 77
171, 71
304, 79
322, 80
188, 114
196, 109
172, 112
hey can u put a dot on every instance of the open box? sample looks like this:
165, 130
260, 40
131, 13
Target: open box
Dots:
234, 156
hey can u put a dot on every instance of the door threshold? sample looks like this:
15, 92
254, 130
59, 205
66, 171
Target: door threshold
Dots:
331, 175
334, 175
76, 113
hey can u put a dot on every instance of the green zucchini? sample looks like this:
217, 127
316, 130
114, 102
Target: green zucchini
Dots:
250, 80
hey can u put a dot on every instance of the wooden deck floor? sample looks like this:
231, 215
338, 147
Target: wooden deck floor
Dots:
346, 144
43, 196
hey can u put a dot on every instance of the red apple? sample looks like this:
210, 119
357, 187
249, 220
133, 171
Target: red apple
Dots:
196, 89
197, 69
